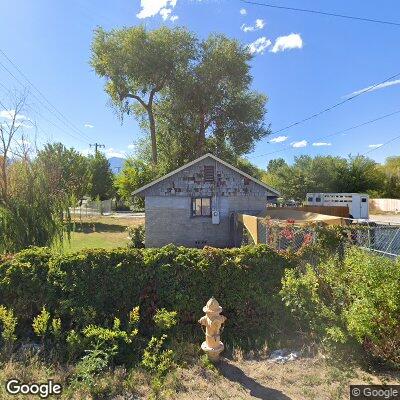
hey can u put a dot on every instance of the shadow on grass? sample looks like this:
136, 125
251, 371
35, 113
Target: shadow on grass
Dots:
235, 374
90, 227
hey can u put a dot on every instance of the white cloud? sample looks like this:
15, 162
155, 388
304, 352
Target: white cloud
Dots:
375, 146
132, 146
279, 139
259, 45
319, 144
165, 13
377, 87
150, 8
87, 125
259, 24
9, 114
110, 152
301, 143
243, 11
247, 28
292, 41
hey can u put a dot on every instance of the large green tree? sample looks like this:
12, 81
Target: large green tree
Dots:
66, 170
192, 95
139, 64
212, 107
101, 179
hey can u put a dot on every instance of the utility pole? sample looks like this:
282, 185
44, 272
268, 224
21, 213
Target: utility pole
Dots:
97, 146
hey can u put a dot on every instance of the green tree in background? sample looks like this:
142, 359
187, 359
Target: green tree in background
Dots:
391, 171
135, 174
139, 64
101, 179
66, 170
360, 175
324, 174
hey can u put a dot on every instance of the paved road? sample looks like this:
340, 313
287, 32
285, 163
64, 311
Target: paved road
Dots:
392, 218
127, 215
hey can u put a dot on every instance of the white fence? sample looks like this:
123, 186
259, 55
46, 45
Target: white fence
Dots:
90, 208
385, 205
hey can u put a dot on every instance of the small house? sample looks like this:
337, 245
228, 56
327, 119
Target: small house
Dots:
196, 205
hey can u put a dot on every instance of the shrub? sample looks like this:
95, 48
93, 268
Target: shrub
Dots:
112, 336
8, 325
165, 319
95, 361
137, 237
355, 300
41, 323
156, 359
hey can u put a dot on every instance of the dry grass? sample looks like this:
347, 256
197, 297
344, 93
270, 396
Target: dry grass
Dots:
304, 379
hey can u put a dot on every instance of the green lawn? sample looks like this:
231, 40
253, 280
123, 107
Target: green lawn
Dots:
100, 232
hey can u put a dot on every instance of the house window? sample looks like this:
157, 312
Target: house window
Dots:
208, 173
318, 199
201, 207
363, 200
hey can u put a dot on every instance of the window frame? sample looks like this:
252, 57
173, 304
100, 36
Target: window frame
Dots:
192, 203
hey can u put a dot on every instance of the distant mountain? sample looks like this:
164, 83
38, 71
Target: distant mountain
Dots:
116, 164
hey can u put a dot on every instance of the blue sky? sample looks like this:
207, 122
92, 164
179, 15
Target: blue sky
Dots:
309, 62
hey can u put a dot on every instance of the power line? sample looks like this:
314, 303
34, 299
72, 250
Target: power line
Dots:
334, 134
50, 121
330, 108
330, 14
383, 144
60, 116
71, 125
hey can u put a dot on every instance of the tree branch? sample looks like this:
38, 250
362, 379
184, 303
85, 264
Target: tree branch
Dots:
139, 99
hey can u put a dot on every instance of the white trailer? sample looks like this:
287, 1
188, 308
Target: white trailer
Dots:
357, 203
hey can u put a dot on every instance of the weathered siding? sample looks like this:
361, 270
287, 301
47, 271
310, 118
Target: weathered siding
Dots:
168, 206
189, 182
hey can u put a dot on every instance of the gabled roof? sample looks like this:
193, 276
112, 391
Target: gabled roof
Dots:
200, 159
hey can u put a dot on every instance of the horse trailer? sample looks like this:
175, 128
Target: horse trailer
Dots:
358, 204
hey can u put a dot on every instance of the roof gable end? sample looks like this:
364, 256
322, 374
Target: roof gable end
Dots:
208, 155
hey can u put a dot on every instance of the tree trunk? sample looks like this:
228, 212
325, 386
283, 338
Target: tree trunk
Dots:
153, 136
202, 136
4, 179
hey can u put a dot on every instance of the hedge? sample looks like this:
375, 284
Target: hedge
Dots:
95, 286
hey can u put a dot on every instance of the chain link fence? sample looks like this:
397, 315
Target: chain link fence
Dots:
381, 238
92, 208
